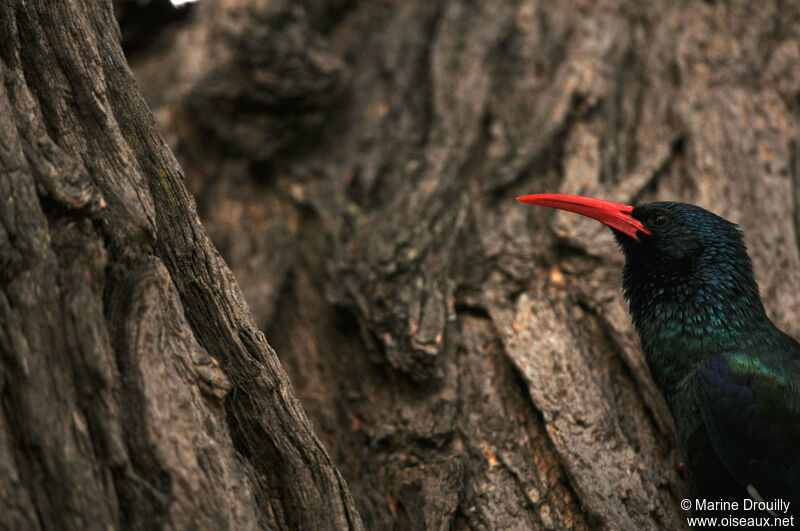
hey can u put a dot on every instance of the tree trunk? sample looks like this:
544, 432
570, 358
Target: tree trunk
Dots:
136, 390
467, 361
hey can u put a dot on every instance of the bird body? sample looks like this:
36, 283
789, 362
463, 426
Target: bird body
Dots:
730, 377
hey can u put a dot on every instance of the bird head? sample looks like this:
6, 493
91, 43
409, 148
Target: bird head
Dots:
655, 232
681, 261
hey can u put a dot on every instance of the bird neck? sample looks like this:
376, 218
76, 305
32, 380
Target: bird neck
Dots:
686, 312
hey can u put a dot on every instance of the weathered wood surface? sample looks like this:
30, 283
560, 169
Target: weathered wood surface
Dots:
466, 361
137, 391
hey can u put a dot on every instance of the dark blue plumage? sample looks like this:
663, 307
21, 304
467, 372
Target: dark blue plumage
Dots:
729, 375
731, 378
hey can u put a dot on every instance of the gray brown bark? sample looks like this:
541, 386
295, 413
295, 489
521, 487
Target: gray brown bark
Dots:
469, 361
136, 390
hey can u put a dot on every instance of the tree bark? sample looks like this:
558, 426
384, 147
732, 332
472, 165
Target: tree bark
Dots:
136, 390
468, 362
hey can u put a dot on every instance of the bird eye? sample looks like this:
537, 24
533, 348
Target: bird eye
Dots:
658, 220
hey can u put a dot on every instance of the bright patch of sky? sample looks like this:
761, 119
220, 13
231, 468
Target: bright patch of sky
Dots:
178, 3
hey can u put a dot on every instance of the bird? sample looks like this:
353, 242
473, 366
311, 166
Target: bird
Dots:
729, 375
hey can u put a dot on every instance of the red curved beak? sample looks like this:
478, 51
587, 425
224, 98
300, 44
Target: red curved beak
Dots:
615, 215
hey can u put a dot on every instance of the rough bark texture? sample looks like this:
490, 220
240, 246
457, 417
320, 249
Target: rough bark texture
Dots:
136, 390
467, 361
